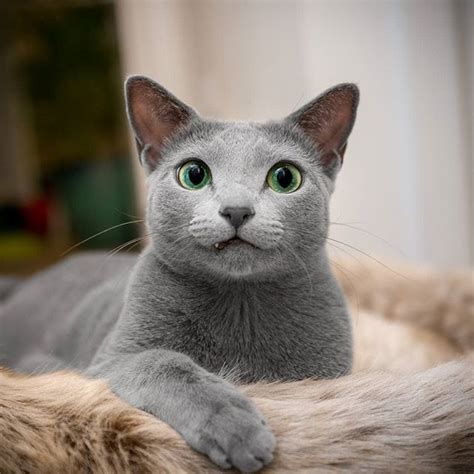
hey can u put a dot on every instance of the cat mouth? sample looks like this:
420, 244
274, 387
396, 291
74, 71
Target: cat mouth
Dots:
234, 241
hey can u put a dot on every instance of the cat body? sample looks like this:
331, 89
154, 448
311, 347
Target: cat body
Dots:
235, 280
267, 330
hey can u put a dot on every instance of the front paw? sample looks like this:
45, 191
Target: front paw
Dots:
233, 434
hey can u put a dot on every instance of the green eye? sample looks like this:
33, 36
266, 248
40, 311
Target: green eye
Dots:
284, 178
194, 175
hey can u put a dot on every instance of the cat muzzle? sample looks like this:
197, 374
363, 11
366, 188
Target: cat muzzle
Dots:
233, 241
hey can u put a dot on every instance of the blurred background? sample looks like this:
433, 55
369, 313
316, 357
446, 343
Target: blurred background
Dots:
68, 170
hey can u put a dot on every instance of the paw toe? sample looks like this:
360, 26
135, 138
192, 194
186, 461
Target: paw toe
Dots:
219, 457
246, 462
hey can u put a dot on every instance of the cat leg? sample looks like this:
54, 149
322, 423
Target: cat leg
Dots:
210, 414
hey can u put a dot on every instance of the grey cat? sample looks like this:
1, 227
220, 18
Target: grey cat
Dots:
235, 281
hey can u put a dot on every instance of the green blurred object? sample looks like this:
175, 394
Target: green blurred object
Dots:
18, 246
67, 60
99, 195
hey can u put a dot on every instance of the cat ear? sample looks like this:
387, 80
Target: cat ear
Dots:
327, 121
155, 115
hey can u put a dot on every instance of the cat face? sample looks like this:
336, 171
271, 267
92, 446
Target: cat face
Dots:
238, 199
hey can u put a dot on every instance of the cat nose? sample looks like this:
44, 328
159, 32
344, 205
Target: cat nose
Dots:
237, 215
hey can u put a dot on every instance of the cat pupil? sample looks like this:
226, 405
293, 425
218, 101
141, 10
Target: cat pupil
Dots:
196, 174
284, 177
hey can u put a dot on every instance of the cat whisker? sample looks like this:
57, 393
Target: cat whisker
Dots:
174, 227
300, 231
126, 214
343, 224
344, 271
181, 237
342, 249
124, 245
369, 256
100, 233
311, 234
304, 266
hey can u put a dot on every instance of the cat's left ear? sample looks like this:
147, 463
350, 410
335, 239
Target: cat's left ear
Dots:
327, 121
155, 115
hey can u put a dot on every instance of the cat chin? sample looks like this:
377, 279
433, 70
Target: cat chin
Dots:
241, 261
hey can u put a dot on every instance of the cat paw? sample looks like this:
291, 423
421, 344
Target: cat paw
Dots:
234, 435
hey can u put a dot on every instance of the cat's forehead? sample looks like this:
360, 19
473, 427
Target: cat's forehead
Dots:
239, 142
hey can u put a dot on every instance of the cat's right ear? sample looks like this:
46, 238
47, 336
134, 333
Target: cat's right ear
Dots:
327, 121
155, 115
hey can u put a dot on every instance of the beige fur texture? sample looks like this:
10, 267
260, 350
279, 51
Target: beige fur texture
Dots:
441, 302
407, 418
381, 344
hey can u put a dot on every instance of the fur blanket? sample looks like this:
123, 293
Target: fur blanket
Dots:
409, 406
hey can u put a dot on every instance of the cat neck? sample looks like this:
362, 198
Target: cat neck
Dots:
304, 277
280, 327
178, 295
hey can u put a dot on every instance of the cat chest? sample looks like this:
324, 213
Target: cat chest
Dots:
248, 346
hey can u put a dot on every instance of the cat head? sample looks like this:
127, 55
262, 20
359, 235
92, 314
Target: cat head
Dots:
238, 198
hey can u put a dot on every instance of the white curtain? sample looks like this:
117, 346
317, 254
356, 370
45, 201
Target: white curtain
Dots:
407, 179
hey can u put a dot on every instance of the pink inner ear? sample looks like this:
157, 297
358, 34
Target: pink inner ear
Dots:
331, 137
141, 120
328, 122
333, 146
155, 116
155, 129
154, 113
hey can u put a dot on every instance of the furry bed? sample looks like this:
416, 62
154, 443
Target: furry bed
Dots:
408, 406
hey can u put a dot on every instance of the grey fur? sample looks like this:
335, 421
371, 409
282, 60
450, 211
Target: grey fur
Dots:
188, 311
